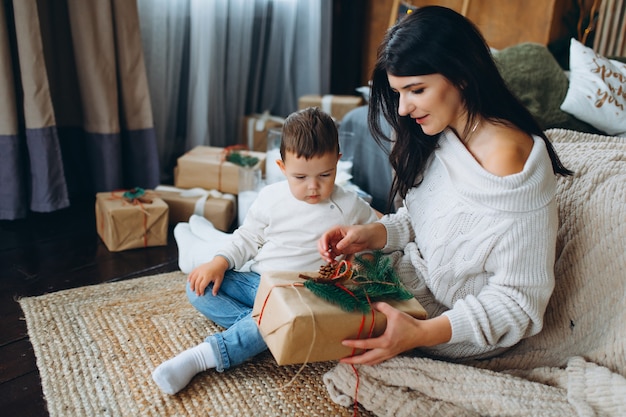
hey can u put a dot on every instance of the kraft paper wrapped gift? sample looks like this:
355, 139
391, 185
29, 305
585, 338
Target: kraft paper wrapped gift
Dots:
123, 224
219, 208
206, 167
256, 127
300, 327
335, 105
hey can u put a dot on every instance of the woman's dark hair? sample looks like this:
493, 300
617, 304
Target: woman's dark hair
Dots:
438, 40
308, 133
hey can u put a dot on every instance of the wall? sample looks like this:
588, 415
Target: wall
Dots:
503, 23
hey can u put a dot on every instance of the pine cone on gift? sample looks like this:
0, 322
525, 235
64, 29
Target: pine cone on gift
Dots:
326, 271
332, 273
355, 286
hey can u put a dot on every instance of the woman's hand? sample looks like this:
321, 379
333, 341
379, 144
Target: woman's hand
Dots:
402, 334
346, 240
203, 275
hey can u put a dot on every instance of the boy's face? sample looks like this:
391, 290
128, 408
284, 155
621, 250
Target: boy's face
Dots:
310, 181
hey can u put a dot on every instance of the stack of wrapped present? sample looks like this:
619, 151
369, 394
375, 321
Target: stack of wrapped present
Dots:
219, 170
206, 184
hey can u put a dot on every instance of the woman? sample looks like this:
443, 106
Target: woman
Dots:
475, 239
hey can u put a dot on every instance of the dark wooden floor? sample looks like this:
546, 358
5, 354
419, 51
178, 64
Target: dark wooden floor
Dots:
46, 253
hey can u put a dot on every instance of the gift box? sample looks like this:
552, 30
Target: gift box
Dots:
206, 167
127, 223
219, 208
300, 327
335, 105
255, 129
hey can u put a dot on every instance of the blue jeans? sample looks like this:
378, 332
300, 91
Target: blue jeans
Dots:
232, 308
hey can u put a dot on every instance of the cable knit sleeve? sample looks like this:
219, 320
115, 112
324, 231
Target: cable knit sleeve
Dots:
520, 281
399, 230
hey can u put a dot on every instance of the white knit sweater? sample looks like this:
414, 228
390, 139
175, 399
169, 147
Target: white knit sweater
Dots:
280, 233
479, 248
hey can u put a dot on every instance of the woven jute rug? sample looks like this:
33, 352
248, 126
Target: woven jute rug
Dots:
96, 347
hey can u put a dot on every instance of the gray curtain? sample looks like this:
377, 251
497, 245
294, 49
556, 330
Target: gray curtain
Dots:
210, 62
75, 111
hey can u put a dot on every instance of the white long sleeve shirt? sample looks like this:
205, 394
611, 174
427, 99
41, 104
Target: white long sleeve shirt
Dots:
280, 232
479, 248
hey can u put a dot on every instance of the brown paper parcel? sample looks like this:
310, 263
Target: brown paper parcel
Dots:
205, 167
335, 105
299, 327
256, 128
124, 225
220, 209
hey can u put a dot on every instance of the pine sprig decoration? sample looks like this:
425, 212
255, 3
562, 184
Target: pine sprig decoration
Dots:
373, 279
335, 294
242, 160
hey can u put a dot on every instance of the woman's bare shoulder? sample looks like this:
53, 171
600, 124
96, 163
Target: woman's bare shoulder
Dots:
504, 150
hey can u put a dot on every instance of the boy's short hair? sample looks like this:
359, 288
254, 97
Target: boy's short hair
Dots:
309, 133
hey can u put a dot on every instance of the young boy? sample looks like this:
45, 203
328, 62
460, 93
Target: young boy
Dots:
280, 232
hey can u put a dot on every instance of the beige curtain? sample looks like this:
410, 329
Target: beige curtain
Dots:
75, 115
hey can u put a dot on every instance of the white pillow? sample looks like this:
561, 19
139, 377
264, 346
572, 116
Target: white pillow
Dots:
597, 90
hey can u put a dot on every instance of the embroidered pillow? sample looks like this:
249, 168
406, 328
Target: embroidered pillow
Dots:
597, 90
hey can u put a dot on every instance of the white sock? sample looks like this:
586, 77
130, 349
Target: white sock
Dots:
187, 243
204, 229
194, 251
174, 374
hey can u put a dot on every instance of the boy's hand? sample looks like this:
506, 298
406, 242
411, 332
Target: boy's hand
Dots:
210, 272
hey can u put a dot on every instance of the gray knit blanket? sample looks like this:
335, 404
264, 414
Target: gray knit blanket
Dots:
577, 365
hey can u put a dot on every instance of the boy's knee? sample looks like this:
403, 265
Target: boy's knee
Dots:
191, 295
196, 299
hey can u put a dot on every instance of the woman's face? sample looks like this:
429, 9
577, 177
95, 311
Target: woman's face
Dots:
431, 100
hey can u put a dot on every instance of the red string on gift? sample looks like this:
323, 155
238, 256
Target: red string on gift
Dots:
369, 335
136, 201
